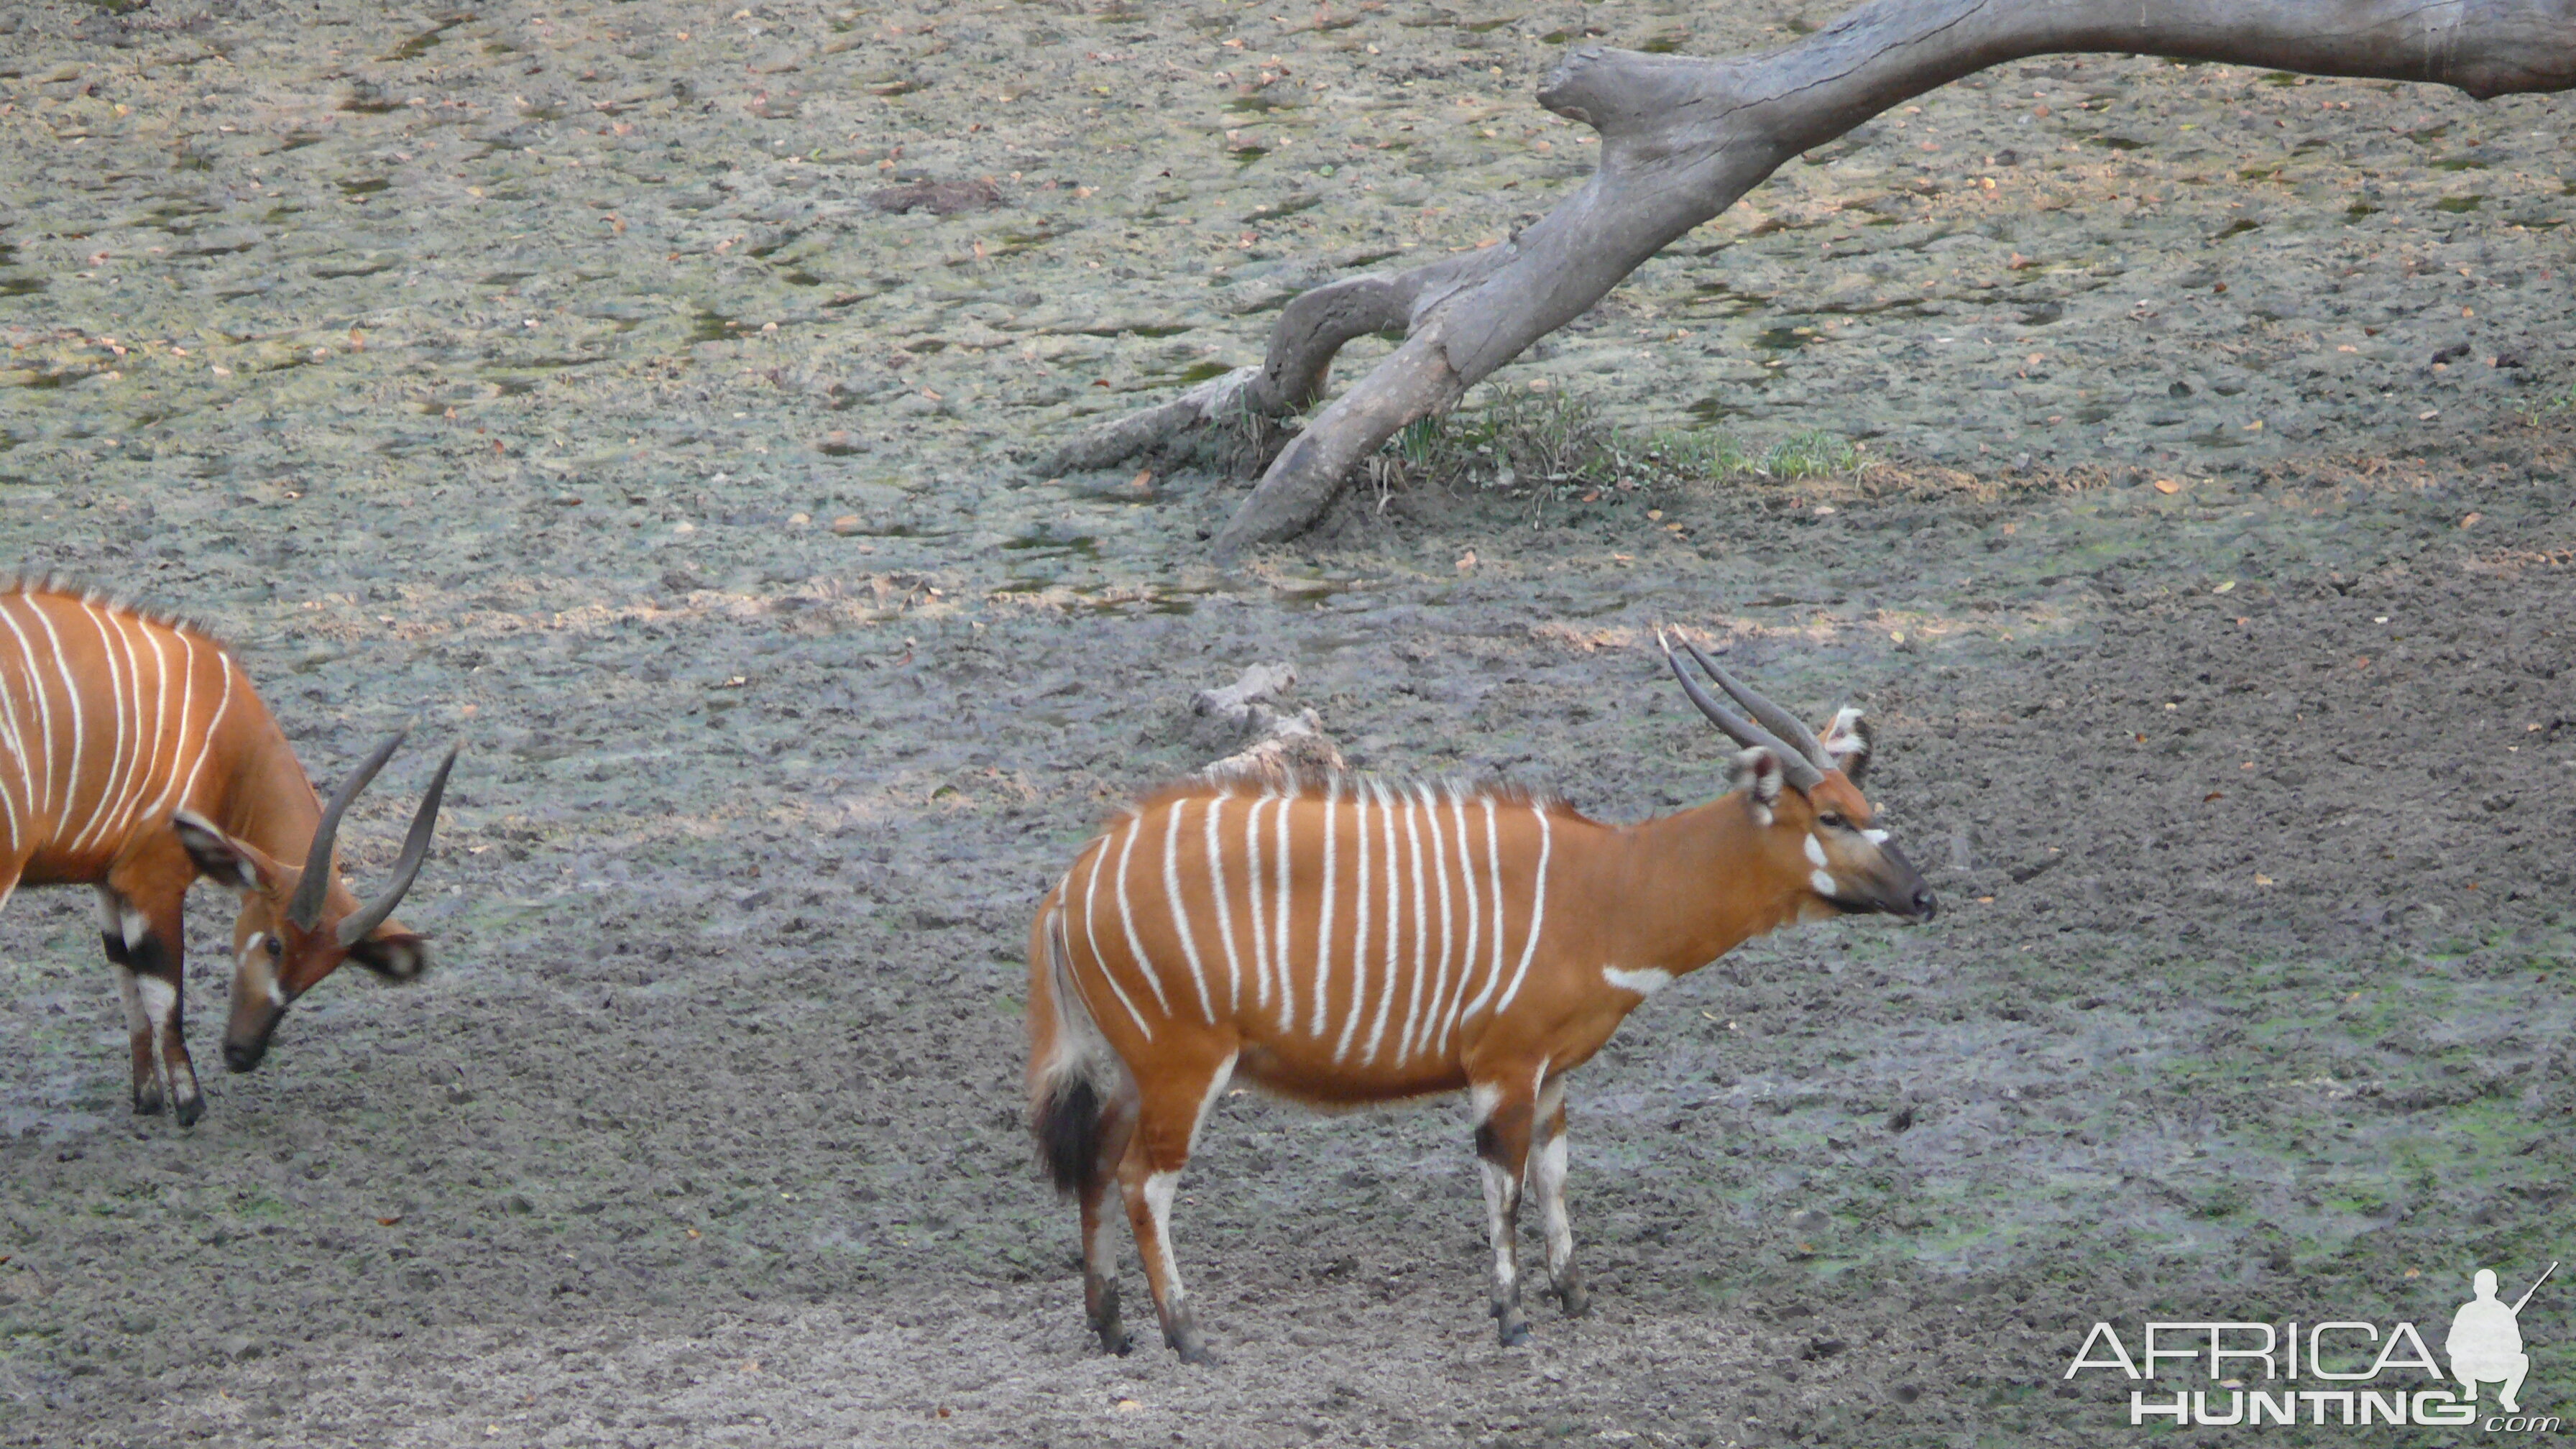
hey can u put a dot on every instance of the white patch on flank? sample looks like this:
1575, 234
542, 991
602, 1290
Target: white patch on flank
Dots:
1645, 982
1875, 837
1821, 882
1484, 1097
1815, 851
1180, 912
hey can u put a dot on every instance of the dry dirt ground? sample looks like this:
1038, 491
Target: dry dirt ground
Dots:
573, 378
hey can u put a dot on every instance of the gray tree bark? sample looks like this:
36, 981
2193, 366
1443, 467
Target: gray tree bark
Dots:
1682, 139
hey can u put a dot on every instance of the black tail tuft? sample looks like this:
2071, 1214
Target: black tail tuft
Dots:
1068, 1133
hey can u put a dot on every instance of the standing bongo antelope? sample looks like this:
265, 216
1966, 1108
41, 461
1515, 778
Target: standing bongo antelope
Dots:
1354, 941
134, 757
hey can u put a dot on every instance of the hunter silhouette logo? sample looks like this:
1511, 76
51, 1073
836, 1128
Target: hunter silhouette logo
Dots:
2486, 1341
2337, 1372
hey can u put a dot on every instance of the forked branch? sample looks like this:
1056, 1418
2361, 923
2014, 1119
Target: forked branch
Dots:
1683, 139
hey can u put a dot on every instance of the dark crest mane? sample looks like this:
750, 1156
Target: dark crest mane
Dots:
27, 585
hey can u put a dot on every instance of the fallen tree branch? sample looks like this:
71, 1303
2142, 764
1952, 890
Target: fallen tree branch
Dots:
1683, 139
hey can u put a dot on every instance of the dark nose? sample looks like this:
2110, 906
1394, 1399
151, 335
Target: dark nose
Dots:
239, 1058
1926, 904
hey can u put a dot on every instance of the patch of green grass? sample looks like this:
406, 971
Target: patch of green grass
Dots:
1525, 440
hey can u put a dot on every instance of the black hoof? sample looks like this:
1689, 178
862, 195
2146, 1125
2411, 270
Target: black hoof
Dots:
1115, 1338
148, 1103
1185, 1340
1576, 1298
190, 1110
1512, 1332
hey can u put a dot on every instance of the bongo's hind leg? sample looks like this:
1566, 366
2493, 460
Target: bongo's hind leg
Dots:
1099, 1250
1169, 1110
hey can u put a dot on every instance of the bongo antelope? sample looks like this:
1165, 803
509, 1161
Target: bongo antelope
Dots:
1353, 941
134, 758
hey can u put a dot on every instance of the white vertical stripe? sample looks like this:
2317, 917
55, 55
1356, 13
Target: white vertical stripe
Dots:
147, 761
1537, 916
180, 726
1280, 876
44, 700
1359, 923
1072, 970
1180, 912
1466, 949
1324, 914
1252, 894
119, 689
1224, 910
130, 784
1090, 893
1394, 918
206, 741
70, 778
1127, 918
1416, 965
1436, 968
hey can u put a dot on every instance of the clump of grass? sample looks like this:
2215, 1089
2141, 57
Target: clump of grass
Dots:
1529, 440
1814, 453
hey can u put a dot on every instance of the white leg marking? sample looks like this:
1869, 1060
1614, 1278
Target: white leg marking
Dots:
1224, 908
1216, 1088
1324, 914
1815, 851
160, 1003
1821, 882
135, 925
1645, 981
1127, 918
1484, 1097
1359, 928
1500, 1192
1158, 1202
1181, 912
136, 1023
1537, 915
1547, 1178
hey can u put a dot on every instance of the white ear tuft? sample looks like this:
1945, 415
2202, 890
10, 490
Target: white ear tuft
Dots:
1847, 743
1759, 775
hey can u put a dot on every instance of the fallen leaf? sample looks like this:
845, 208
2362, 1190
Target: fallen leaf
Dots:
2223, 588
2205, 799
2472, 518
2262, 880
380, 1222
1466, 560
2167, 485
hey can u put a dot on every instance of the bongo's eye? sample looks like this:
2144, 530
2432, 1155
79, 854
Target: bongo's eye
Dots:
1832, 819
273, 946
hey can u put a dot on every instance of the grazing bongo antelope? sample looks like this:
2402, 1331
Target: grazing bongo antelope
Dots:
134, 757
1353, 941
